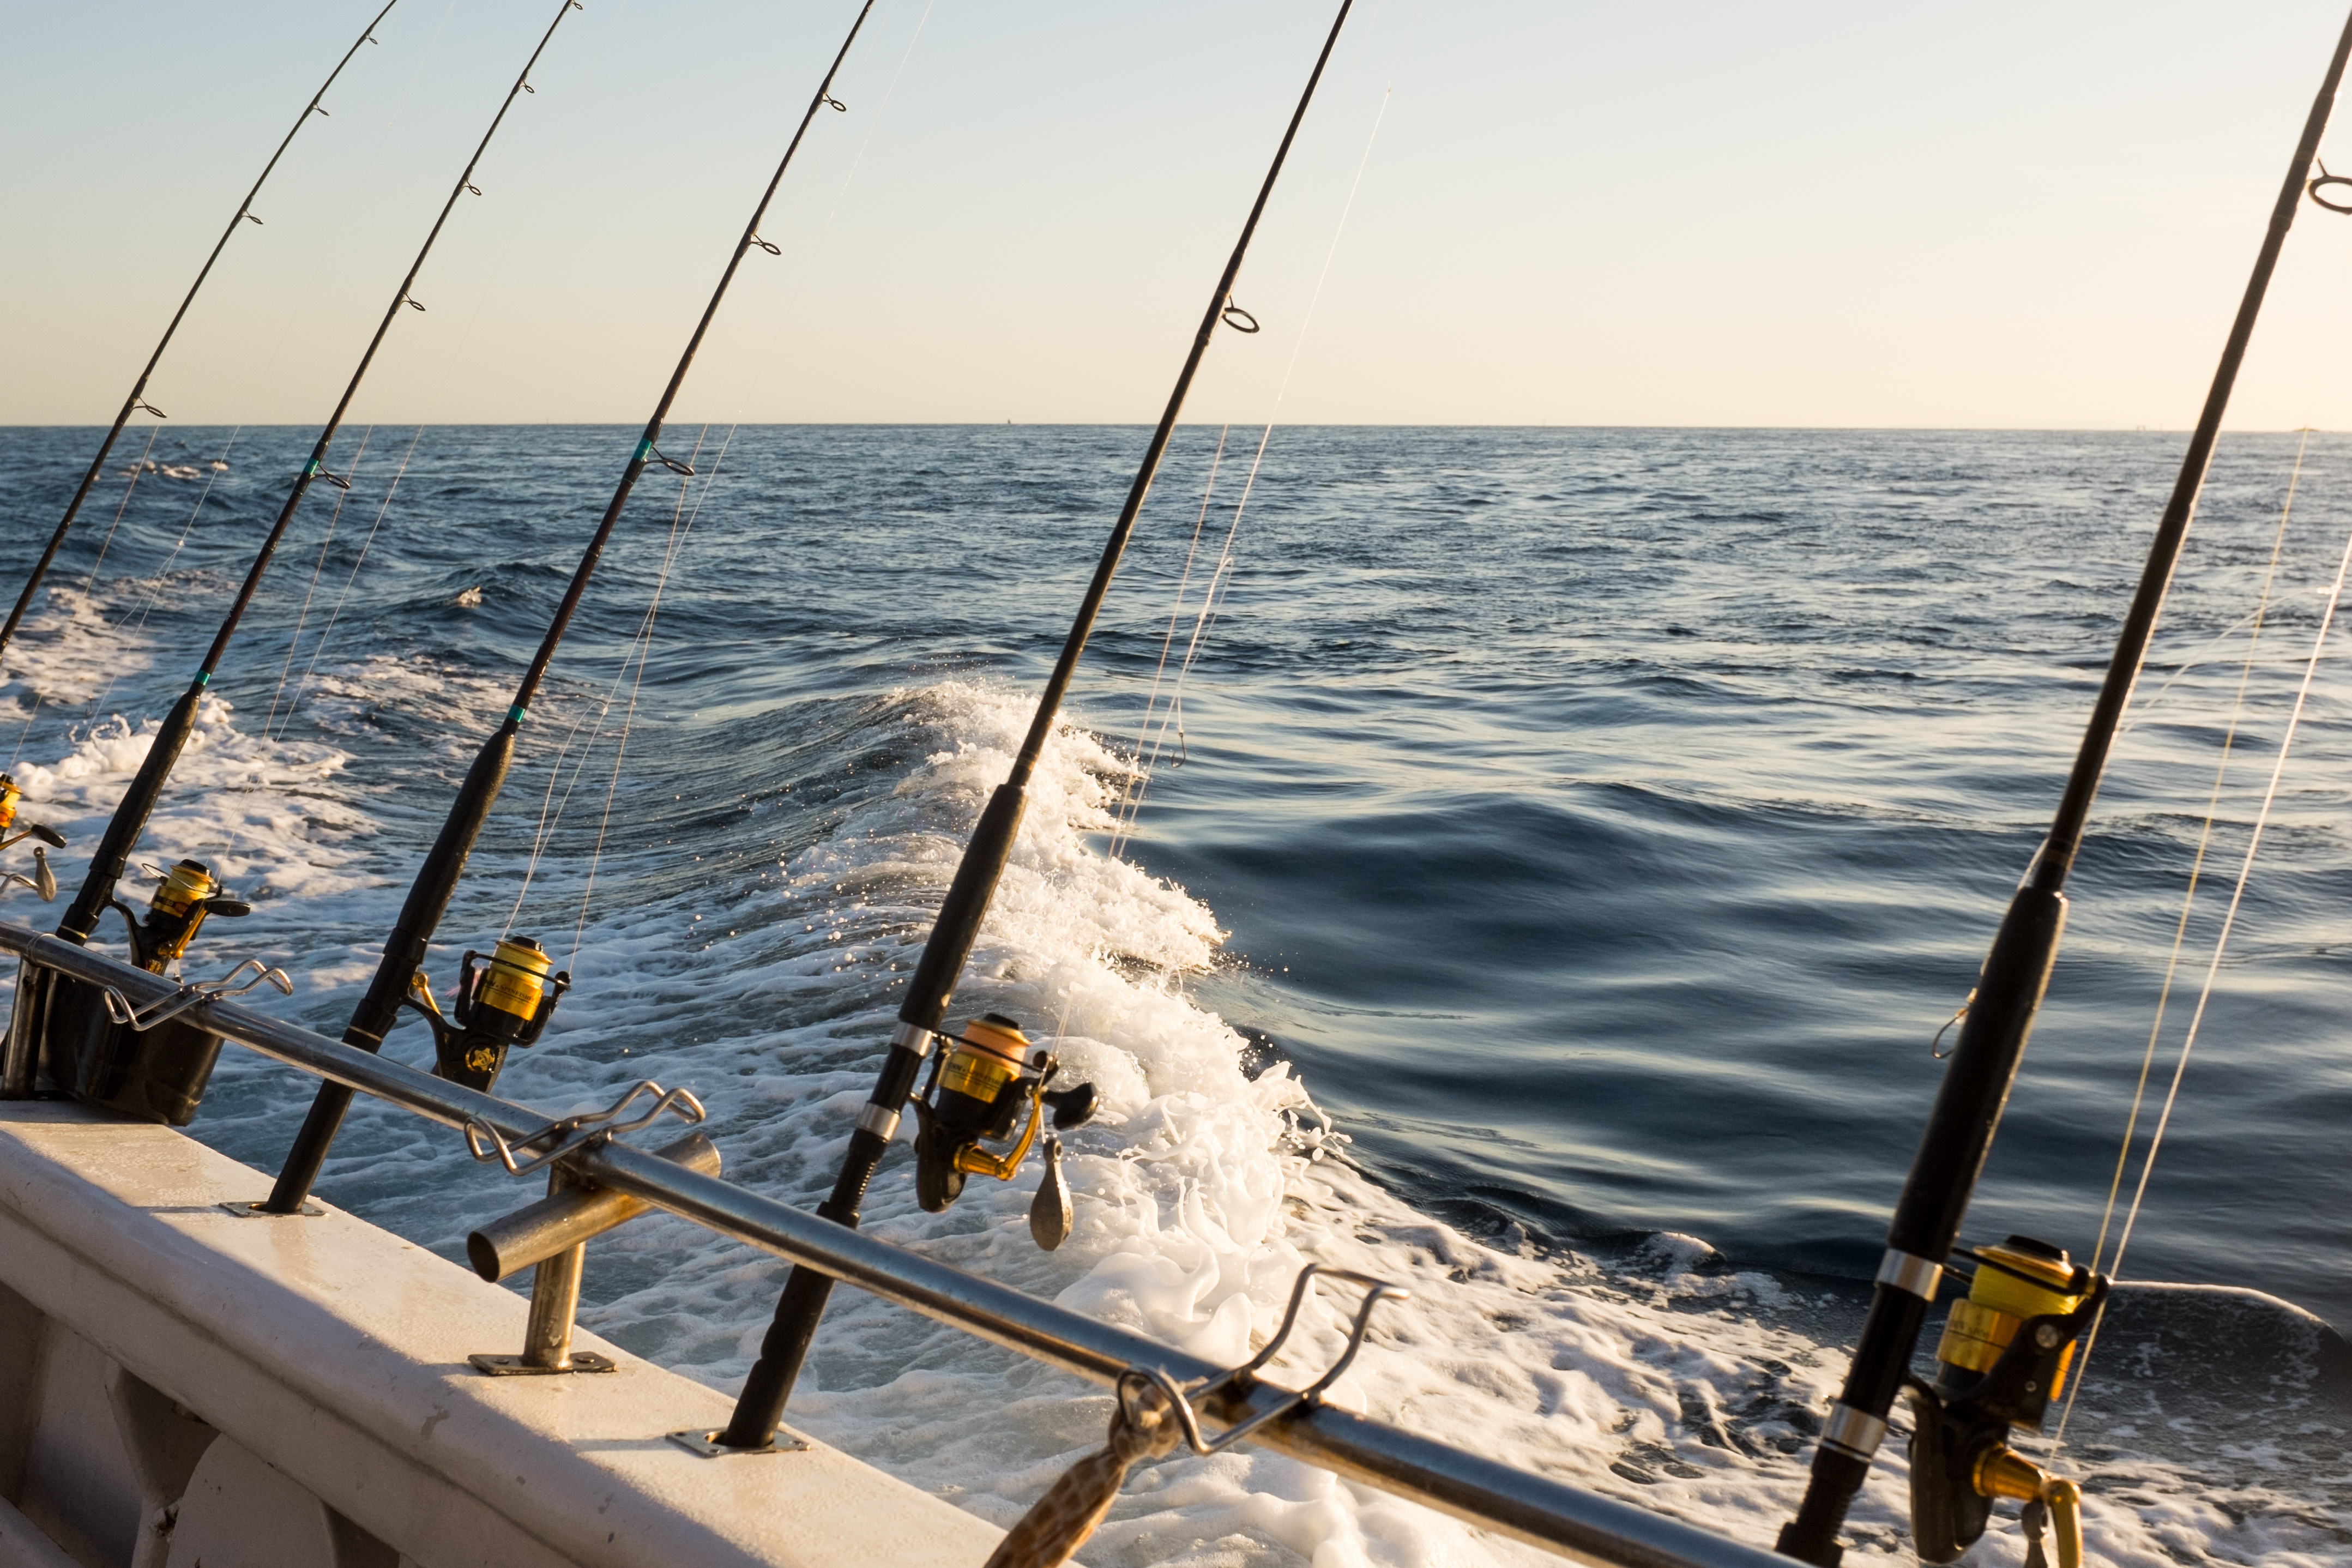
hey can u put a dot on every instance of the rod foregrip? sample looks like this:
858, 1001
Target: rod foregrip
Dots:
129, 819
958, 926
1975, 1084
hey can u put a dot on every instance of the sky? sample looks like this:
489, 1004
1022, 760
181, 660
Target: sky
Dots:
1997, 216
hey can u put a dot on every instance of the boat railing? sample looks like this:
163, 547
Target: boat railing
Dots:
1567, 1520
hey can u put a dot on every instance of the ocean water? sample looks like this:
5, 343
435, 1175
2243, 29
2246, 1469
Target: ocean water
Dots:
1569, 843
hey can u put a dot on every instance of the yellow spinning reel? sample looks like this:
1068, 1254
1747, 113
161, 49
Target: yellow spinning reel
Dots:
43, 880
504, 1003
977, 1087
2002, 1358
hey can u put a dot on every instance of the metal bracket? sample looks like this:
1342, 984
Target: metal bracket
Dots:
1135, 1379
573, 1134
119, 1008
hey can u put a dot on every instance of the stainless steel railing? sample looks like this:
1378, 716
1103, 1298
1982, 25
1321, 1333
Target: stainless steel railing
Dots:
1574, 1522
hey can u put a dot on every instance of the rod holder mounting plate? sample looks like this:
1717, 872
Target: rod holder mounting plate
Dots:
515, 1366
707, 1443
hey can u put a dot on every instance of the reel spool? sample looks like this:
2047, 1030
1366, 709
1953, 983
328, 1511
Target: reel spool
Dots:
503, 1003
976, 1088
2003, 1357
158, 1073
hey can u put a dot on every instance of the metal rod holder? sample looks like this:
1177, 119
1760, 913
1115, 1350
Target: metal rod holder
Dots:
554, 1304
565, 1218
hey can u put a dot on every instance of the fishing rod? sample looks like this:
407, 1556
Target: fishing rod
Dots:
2006, 1348
137, 400
161, 1070
507, 1002
980, 1079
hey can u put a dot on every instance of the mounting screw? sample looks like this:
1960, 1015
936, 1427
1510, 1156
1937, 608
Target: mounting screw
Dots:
2046, 1336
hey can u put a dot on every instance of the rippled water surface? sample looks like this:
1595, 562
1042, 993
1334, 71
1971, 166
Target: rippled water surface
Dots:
1593, 827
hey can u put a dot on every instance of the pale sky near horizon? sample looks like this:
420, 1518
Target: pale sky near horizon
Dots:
2003, 216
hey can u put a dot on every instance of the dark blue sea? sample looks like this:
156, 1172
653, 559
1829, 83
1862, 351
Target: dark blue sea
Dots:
1552, 854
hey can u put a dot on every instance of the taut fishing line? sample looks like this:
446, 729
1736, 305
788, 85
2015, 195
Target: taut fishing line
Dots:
302, 618
681, 525
1139, 778
2197, 866
367, 545
137, 468
552, 810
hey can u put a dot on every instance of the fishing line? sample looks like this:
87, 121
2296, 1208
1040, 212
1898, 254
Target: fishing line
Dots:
2197, 866
137, 468
311, 669
1221, 576
302, 619
549, 820
1131, 798
2229, 921
621, 746
641, 642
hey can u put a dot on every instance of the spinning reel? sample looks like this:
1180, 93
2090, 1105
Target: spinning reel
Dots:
2002, 1358
187, 893
976, 1088
43, 880
505, 1003
153, 1067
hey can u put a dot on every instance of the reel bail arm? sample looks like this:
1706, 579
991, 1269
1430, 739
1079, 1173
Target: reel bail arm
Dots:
44, 881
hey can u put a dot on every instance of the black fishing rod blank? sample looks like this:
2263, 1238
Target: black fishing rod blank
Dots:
161, 1072
983, 1077
138, 398
1959, 1459
506, 1002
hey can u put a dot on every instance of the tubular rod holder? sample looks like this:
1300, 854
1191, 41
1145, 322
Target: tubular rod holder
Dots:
570, 1216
